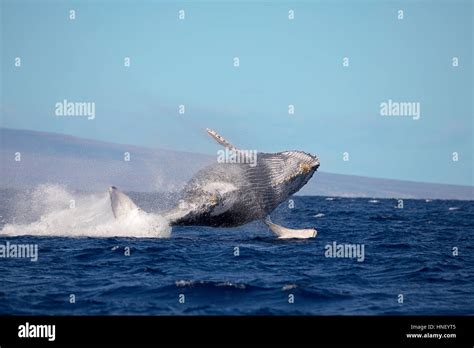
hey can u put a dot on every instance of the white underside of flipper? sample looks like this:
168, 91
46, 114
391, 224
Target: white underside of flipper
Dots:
288, 233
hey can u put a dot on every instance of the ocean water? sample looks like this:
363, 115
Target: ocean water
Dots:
407, 251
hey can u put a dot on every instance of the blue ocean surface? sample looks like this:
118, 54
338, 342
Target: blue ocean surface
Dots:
407, 252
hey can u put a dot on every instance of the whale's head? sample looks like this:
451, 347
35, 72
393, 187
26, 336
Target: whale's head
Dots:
293, 171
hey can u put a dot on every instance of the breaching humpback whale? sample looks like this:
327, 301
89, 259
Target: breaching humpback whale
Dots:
233, 194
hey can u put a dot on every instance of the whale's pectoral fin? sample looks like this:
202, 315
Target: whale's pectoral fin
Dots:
220, 139
286, 233
244, 154
122, 205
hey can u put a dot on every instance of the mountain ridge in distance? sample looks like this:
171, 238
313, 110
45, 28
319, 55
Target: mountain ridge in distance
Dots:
93, 165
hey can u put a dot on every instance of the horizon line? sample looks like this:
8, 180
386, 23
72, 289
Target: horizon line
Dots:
205, 154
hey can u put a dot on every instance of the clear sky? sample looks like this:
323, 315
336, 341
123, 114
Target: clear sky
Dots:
282, 62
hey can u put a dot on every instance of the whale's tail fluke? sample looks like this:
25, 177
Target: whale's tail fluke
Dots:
122, 205
129, 215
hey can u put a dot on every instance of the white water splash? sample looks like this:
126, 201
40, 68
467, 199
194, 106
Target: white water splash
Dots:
91, 216
287, 287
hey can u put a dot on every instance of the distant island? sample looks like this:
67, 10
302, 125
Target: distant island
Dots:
30, 158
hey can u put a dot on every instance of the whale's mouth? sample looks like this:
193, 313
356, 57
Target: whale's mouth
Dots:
293, 166
316, 163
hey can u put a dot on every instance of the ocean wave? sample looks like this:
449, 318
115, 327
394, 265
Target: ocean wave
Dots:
205, 283
386, 218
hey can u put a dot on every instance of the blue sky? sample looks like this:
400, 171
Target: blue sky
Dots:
282, 62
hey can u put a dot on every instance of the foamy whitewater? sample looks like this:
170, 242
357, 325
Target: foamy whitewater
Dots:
62, 213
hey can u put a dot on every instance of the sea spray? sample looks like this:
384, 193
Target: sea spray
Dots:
65, 214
